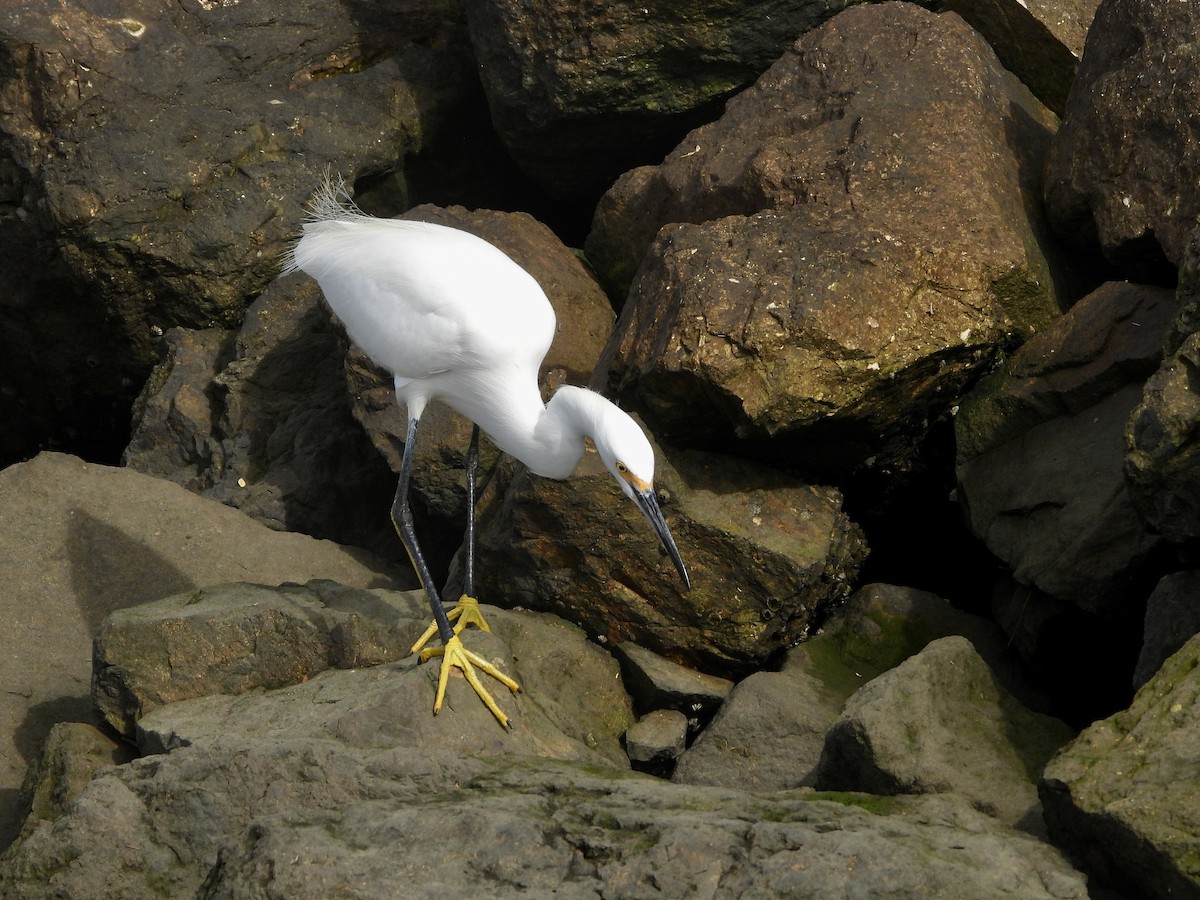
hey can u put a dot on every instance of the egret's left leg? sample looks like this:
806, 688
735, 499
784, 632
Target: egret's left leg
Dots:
466, 611
452, 651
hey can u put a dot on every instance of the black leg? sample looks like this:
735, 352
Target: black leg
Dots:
403, 521
471, 465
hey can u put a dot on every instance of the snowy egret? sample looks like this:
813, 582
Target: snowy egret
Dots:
452, 318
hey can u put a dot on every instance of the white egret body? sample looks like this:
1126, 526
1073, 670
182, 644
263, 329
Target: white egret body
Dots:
452, 318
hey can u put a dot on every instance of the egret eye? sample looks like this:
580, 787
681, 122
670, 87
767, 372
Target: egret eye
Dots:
622, 468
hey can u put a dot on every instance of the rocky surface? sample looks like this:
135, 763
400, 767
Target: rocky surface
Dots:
767, 555
351, 781
876, 175
939, 722
848, 347
80, 541
1124, 795
155, 161
1122, 173
566, 103
1041, 449
770, 732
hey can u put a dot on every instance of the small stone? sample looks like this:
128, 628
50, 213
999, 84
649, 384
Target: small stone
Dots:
658, 736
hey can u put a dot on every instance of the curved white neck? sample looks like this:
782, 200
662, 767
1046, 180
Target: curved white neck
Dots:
549, 438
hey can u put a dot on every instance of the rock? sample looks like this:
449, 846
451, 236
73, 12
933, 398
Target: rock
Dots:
1172, 618
1041, 451
1122, 169
656, 739
1040, 41
1123, 797
80, 541
72, 755
323, 789
575, 110
767, 554
916, 267
656, 683
767, 735
229, 639
571, 705
161, 157
940, 722
770, 731
1162, 458
262, 422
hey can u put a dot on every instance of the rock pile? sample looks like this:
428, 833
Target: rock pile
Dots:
844, 261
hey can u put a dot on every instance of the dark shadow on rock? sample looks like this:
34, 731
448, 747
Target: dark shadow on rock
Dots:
112, 570
29, 738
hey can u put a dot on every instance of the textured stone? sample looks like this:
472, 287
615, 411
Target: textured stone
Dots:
1124, 796
766, 553
1041, 450
1123, 168
80, 541
940, 722
808, 271
657, 737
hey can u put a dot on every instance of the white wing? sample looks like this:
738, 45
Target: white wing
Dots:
421, 299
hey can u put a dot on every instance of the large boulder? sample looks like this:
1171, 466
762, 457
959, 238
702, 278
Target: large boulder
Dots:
260, 420
1124, 796
770, 731
80, 541
940, 722
1041, 451
1162, 462
1040, 41
158, 157
1123, 168
768, 556
811, 269
345, 784
576, 108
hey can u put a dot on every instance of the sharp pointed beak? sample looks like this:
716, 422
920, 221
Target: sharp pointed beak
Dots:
647, 502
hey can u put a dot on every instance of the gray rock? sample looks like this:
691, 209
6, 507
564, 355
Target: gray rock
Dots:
766, 552
657, 683
939, 722
1041, 450
916, 267
72, 755
770, 732
80, 541
767, 735
657, 737
1123, 168
229, 639
1124, 796
346, 785
261, 421
1172, 618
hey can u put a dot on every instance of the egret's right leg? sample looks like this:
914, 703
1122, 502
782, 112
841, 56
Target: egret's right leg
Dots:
452, 651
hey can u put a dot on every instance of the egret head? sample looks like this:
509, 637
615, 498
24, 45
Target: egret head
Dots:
629, 457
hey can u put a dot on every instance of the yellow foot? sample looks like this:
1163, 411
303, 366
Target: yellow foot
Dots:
455, 655
466, 612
